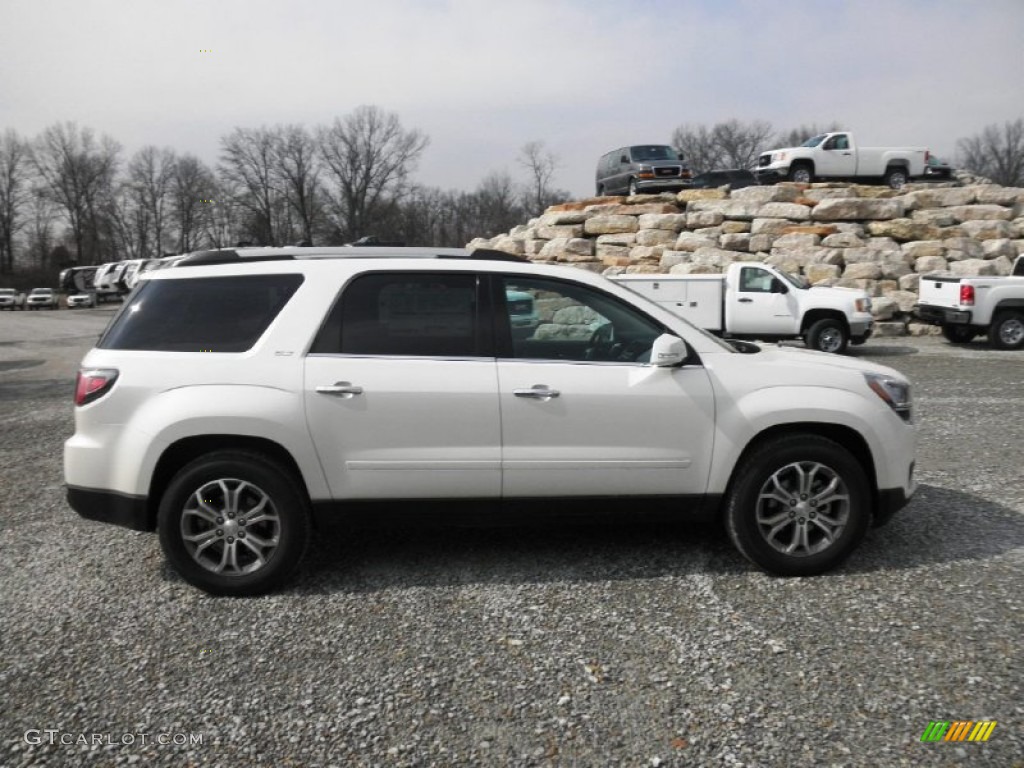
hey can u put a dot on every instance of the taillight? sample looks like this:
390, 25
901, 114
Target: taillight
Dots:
967, 295
93, 383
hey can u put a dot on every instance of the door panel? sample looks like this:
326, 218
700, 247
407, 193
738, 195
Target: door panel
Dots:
751, 308
419, 428
611, 429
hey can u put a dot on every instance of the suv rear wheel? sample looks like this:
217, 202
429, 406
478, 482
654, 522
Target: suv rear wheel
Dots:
798, 506
234, 523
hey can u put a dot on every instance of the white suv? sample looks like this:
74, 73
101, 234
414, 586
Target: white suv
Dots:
244, 396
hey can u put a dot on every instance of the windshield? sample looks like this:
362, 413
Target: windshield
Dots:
814, 141
796, 282
653, 152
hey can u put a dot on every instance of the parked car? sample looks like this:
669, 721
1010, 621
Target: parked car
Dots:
77, 300
642, 168
77, 279
11, 299
837, 156
937, 169
736, 178
752, 300
42, 298
244, 393
104, 281
967, 307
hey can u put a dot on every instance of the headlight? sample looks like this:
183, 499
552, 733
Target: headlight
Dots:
778, 157
895, 392
862, 305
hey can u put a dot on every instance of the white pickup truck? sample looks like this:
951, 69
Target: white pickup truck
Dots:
836, 156
756, 301
966, 307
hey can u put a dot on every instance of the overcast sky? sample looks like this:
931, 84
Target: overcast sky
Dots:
483, 77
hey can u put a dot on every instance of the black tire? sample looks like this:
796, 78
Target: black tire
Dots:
1007, 330
801, 173
256, 482
896, 178
828, 335
600, 190
958, 334
822, 527
633, 189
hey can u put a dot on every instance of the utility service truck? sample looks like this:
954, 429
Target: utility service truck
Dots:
757, 301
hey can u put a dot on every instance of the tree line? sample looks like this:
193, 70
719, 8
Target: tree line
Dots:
69, 197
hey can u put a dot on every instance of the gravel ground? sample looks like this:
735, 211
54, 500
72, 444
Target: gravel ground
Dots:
608, 645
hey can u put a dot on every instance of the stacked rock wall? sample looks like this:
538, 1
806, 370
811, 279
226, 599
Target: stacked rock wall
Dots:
834, 234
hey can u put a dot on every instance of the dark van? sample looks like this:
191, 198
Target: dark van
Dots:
642, 168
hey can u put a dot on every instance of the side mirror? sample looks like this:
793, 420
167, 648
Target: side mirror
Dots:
668, 351
778, 286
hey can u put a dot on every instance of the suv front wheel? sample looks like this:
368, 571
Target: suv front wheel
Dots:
234, 523
798, 506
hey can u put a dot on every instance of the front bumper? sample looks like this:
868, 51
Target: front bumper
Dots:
928, 313
663, 185
771, 174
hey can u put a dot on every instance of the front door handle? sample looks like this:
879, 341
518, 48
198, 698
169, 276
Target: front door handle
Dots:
537, 392
340, 389
744, 301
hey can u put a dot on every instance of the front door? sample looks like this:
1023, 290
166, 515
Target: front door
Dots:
582, 412
754, 309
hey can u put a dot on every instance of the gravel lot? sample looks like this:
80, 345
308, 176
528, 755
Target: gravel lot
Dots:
567, 646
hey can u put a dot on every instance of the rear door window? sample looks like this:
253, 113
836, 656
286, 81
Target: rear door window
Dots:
207, 314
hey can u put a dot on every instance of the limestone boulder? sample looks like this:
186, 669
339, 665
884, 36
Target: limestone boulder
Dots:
904, 230
910, 283
604, 224
650, 254
884, 308
791, 211
716, 257
673, 222
973, 268
670, 259
769, 226
939, 197
512, 245
562, 248
796, 240
558, 218
694, 269
925, 248
817, 274
692, 195
989, 230
664, 237
760, 243
964, 213
1001, 247
550, 232
843, 240
612, 255
864, 271
830, 193
857, 209
735, 227
958, 248
928, 264
617, 238
998, 195
730, 209
699, 219
735, 242
691, 241
773, 193
939, 217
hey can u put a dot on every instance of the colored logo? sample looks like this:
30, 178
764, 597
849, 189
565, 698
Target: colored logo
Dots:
958, 730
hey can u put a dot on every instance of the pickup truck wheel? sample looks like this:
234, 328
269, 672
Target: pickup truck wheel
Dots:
600, 190
958, 334
801, 174
896, 178
799, 505
828, 335
633, 190
1007, 331
234, 523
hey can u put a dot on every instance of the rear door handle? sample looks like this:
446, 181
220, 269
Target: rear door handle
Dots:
340, 389
537, 392
744, 301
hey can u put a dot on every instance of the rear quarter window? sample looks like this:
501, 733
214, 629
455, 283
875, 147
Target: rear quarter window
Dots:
206, 314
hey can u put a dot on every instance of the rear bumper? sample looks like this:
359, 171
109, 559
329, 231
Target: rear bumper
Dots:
111, 507
942, 315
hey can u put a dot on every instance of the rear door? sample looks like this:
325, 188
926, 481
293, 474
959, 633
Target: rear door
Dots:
401, 393
583, 414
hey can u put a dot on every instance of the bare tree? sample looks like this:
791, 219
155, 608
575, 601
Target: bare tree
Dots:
497, 205
15, 193
996, 153
368, 158
150, 176
794, 137
193, 195
77, 174
540, 164
741, 143
698, 146
298, 167
248, 166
